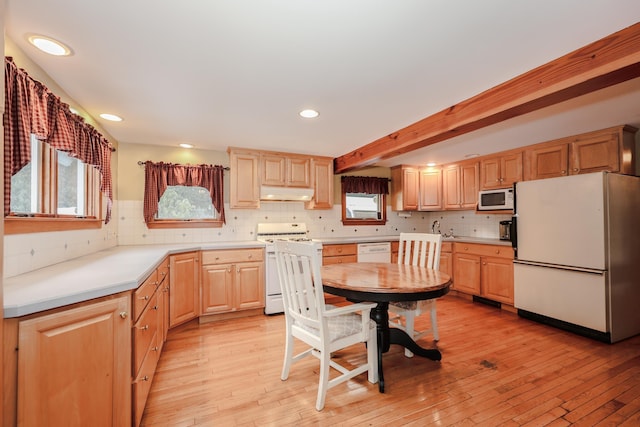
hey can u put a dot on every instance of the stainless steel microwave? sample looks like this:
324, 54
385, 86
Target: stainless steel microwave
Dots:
493, 200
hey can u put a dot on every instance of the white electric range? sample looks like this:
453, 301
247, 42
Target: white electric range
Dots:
269, 233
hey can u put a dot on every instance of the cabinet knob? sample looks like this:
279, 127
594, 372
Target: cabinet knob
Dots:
146, 297
250, 256
484, 263
123, 314
145, 378
497, 251
144, 328
576, 169
563, 172
155, 307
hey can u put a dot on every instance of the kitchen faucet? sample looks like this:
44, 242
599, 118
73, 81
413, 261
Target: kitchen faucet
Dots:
434, 226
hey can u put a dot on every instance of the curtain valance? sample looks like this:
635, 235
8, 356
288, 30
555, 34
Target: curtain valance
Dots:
31, 108
365, 184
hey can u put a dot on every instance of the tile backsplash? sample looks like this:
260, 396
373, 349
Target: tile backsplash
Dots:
27, 252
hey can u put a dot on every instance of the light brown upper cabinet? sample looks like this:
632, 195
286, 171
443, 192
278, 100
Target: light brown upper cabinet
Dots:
500, 171
430, 186
405, 181
414, 188
611, 149
322, 181
285, 170
460, 186
244, 180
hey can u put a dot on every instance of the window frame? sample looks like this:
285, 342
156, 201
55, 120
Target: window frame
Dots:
363, 221
48, 219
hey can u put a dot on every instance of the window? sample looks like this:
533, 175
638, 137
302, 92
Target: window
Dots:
56, 166
53, 186
180, 202
183, 196
364, 200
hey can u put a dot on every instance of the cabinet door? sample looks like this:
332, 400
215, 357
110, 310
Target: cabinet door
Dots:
430, 186
322, 177
244, 181
184, 288
74, 366
299, 172
549, 162
490, 173
446, 263
469, 185
249, 285
273, 169
467, 273
217, 288
497, 279
451, 183
597, 153
511, 169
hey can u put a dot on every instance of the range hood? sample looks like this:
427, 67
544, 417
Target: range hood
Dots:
286, 193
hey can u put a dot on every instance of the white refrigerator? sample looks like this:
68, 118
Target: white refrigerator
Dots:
577, 265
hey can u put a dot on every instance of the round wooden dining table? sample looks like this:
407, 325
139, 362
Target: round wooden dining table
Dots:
383, 283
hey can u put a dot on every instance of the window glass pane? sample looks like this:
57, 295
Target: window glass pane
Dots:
26, 184
363, 206
71, 185
182, 202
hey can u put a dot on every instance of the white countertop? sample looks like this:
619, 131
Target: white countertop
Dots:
106, 272
124, 268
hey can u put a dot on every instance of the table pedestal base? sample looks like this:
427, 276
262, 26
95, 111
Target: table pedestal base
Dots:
387, 336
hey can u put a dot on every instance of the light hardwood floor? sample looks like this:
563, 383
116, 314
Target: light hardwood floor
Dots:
496, 369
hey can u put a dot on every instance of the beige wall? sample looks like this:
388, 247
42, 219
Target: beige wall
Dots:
131, 175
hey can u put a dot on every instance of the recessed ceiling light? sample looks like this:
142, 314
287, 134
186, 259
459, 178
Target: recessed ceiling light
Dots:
431, 164
183, 145
309, 114
49, 45
111, 117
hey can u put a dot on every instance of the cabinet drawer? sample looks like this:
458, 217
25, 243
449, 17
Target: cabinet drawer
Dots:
446, 247
163, 270
232, 256
142, 384
335, 250
484, 250
339, 259
144, 332
143, 294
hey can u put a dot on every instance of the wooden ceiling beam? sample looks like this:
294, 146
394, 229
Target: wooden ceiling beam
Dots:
606, 62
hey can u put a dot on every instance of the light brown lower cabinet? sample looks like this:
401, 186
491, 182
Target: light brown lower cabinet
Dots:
232, 280
184, 288
339, 253
484, 270
74, 366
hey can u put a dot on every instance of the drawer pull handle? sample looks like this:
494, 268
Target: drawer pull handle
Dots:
144, 328
155, 348
145, 378
146, 298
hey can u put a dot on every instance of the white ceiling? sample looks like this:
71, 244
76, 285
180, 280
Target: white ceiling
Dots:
219, 73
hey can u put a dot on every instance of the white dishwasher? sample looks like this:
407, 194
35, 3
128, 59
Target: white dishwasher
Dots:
374, 252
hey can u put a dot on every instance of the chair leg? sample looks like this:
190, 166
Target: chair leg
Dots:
323, 386
409, 321
288, 356
372, 356
434, 322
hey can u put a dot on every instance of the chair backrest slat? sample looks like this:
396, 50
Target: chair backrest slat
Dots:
421, 249
299, 272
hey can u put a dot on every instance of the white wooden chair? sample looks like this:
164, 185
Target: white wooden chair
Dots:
421, 249
324, 328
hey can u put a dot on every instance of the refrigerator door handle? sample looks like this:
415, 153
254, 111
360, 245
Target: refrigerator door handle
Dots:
560, 267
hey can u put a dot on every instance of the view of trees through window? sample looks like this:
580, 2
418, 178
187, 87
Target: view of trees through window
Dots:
181, 203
